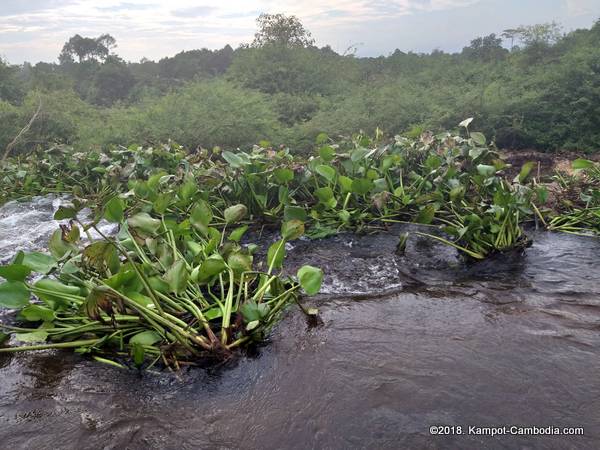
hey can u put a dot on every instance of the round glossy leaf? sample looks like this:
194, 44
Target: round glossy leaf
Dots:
236, 235
240, 262
326, 172
294, 212
362, 186
235, 213
478, 138
38, 262
113, 210
177, 276
283, 176
14, 272
144, 222
326, 153
310, 279
13, 294
201, 215
36, 313
324, 194
292, 229
64, 212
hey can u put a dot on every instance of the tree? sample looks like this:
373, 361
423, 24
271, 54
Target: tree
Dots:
112, 82
488, 48
545, 34
11, 88
281, 30
84, 48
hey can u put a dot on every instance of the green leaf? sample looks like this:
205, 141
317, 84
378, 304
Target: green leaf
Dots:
188, 190
39, 262
426, 215
13, 294
283, 175
478, 138
234, 160
362, 186
162, 202
310, 279
15, 272
457, 192
55, 290
64, 212
101, 256
345, 183
252, 311
36, 313
211, 266
525, 170
294, 212
486, 171
326, 153
235, 213
113, 210
239, 262
476, 152
326, 172
324, 194
252, 325
148, 337
321, 138
581, 164
276, 254
358, 154
34, 336
144, 222
292, 229
201, 216
236, 235
177, 277
58, 246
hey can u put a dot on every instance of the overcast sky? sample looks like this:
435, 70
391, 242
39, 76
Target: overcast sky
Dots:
35, 30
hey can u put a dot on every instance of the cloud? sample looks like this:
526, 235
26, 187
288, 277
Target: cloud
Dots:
194, 11
582, 7
154, 28
127, 7
16, 7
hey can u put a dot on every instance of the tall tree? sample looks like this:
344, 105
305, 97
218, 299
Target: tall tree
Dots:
487, 48
281, 30
85, 48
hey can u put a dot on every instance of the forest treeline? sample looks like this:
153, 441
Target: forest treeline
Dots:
542, 92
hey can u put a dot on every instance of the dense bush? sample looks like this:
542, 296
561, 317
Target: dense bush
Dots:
202, 114
544, 94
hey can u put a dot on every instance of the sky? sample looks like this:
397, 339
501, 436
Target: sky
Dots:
35, 30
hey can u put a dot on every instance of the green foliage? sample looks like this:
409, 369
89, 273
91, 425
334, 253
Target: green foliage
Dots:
281, 30
202, 114
544, 93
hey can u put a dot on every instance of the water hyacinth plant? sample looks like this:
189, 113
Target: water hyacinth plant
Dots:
164, 289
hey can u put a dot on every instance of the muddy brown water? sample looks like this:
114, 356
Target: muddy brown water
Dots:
406, 342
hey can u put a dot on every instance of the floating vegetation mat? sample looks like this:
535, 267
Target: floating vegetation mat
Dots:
176, 284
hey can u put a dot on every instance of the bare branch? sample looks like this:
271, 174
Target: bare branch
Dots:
21, 133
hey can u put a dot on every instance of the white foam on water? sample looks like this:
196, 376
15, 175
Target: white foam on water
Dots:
27, 225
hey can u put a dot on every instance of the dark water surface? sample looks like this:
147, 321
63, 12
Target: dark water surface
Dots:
406, 342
